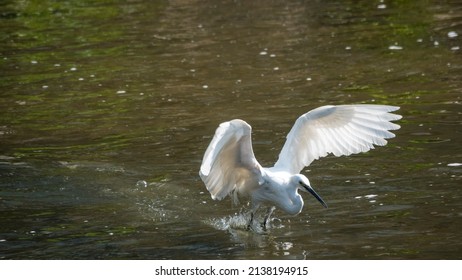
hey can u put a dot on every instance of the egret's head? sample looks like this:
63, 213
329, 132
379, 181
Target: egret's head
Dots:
303, 184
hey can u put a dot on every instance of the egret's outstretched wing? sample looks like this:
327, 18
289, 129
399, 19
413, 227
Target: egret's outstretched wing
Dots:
339, 130
229, 163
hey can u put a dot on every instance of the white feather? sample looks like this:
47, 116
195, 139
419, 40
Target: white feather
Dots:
339, 130
229, 163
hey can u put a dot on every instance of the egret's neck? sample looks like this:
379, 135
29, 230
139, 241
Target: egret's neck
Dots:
295, 203
281, 191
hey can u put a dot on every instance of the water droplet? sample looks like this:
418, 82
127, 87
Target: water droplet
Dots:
141, 184
205, 86
263, 53
454, 164
287, 245
452, 34
34, 61
395, 48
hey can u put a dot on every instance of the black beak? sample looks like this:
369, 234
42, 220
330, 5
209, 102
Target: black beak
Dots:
311, 191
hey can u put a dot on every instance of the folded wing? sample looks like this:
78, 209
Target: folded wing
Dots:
338, 130
229, 163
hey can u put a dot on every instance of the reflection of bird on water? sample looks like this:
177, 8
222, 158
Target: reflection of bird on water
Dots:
229, 166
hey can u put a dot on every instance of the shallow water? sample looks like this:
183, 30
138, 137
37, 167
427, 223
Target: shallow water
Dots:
107, 107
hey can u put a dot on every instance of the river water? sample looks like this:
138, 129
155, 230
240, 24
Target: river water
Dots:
107, 107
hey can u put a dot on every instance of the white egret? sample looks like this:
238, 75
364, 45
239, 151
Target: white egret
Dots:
229, 166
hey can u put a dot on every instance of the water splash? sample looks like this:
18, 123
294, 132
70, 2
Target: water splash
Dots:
240, 222
237, 221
